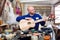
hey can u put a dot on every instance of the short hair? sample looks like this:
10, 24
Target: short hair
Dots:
28, 7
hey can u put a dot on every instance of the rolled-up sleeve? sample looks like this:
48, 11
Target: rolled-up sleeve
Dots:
42, 22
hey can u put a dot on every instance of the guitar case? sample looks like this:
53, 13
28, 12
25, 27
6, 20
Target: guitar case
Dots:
2, 4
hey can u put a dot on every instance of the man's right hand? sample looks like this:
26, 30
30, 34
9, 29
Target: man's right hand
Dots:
45, 19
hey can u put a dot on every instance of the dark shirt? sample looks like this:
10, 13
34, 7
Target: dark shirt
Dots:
35, 17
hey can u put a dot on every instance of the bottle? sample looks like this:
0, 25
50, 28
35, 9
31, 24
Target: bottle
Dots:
34, 37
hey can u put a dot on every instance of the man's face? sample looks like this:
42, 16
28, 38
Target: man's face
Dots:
31, 10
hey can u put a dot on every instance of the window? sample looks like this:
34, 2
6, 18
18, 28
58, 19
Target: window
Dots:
57, 14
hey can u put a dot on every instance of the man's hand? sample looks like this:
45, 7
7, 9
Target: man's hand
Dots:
45, 19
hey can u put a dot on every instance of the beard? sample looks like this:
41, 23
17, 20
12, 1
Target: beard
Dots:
32, 13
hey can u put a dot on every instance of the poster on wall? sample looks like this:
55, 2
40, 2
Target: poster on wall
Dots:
17, 7
57, 14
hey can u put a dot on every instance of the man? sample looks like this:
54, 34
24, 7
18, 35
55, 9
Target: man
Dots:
32, 14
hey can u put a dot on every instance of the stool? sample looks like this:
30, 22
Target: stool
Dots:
0, 38
47, 37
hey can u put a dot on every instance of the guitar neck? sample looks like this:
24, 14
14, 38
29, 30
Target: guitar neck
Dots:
39, 20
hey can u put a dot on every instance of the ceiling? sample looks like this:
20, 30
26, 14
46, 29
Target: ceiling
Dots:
39, 1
